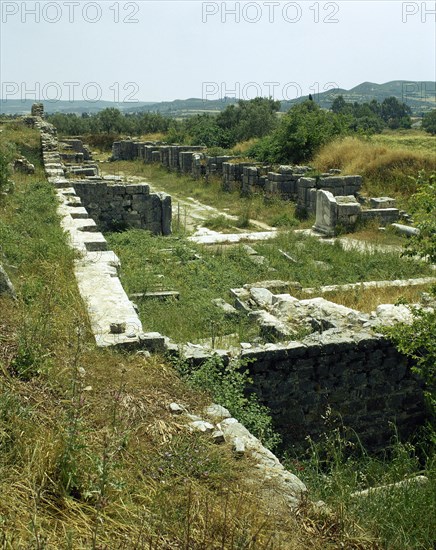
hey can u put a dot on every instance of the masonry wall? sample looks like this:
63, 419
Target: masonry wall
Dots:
116, 207
367, 382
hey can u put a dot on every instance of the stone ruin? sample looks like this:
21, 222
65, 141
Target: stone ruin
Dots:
37, 110
119, 206
342, 363
23, 166
344, 212
113, 205
340, 207
113, 318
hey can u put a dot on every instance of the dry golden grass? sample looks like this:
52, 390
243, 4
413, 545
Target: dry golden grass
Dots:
243, 146
90, 456
153, 136
367, 300
385, 169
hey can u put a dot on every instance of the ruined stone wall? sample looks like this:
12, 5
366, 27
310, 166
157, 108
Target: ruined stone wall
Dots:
169, 155
335, 213
288, 182
122, 206
337, 185
366, 381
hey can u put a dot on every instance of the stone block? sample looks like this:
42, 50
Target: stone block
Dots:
326, 213
348, 211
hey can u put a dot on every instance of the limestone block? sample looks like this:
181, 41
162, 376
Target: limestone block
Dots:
326, 213
348, 211
382, 202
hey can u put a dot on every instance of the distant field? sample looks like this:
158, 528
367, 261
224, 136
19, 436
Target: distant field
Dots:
409, 139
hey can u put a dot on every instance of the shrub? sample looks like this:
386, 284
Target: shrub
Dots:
228, 387
429, 122
6, 156
302, 131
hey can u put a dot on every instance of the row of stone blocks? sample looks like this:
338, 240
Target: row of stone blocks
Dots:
112, 315
288, 182
249, 178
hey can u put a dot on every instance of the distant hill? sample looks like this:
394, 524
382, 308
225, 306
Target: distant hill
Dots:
183, 107
420, 96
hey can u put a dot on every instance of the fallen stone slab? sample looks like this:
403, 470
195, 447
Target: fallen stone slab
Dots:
221, 238
370, 284
228, 309
403, 484
262, 296
405, 230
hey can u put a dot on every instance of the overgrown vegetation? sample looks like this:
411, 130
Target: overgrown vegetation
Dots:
429, 122
201, 274
228, 384
385, 169
422, 205
90, 456
337, 468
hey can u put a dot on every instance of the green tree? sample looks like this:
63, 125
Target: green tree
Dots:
422, 205
429, 122
339, 104
110, 120
301, 132
395, 113
249, 119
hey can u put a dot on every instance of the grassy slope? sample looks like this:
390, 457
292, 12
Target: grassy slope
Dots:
90, 457
388, 162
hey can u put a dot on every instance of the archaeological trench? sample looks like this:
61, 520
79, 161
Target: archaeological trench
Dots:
343, 363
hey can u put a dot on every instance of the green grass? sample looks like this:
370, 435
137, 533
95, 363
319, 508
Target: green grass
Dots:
90, 456
272, 211
169, 263
399, 518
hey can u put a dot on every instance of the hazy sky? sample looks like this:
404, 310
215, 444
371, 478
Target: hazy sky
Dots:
164, 50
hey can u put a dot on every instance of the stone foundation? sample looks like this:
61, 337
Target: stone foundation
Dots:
343, 368
362, 379
116, 207
341, 213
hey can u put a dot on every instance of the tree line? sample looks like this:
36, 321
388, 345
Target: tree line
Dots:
292, 137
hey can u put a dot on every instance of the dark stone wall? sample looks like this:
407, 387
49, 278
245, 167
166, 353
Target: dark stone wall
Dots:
367, 382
